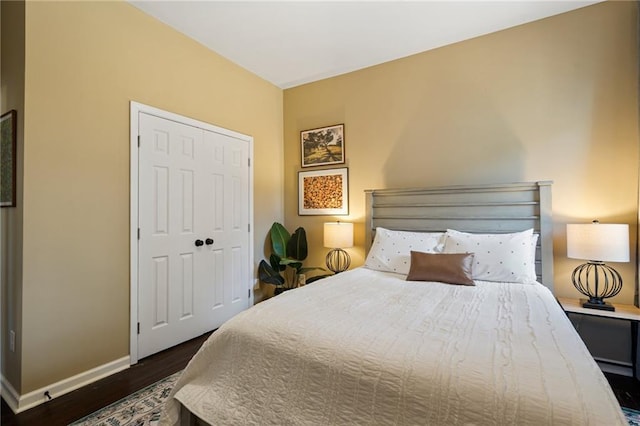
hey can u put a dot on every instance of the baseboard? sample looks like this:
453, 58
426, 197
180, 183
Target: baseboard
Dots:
615, 367
19, 403
9, 394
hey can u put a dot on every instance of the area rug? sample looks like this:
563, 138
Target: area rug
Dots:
633, 416
141, 408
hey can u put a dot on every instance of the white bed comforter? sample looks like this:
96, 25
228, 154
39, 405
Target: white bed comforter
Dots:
369, 348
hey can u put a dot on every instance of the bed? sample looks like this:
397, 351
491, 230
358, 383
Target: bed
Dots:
384, 344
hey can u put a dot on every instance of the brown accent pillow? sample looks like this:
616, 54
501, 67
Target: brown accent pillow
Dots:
450, 268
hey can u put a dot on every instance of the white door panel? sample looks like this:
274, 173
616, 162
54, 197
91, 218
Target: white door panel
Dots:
229, 224
193, 186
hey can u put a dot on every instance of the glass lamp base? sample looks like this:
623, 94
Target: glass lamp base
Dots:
597, 305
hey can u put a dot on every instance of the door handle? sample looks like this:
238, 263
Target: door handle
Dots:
209, 241
199, 243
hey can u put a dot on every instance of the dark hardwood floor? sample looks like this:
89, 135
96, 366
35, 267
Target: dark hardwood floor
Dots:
626, 389
79, 403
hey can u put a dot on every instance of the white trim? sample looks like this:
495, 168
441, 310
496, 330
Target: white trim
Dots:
133, 233
135, 109
19, 403
253, 282
9, 394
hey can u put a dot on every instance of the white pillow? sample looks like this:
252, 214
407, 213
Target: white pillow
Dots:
497, 257
391, 250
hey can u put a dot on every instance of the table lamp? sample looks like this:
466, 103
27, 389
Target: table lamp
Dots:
337, 236
597, 243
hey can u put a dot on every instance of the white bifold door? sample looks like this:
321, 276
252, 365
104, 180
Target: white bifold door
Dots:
193, 248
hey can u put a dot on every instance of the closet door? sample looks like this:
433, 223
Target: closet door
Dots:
227, 265
192, 255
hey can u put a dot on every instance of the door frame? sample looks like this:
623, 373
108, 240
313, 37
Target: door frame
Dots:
134, 130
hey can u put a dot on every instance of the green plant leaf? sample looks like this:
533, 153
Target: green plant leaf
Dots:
268, 275
276, 262
289, 250
297, 245
292, 263
279, 239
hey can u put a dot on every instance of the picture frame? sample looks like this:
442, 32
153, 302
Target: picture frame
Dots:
322, 146
8, 159
323, 192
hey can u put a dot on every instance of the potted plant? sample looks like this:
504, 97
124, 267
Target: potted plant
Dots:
285, 262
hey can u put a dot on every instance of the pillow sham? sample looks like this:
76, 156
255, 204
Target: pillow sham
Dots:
453, 268
497, 257
391, 250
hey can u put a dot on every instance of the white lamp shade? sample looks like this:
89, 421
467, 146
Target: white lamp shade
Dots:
598, 241
338, 234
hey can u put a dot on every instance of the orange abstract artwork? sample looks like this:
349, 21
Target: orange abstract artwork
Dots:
323, 192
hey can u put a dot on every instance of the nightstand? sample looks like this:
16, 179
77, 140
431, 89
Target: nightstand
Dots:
623, 312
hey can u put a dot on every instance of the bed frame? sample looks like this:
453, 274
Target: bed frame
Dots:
498, 208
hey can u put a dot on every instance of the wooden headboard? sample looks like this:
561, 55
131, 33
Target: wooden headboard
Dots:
492, 208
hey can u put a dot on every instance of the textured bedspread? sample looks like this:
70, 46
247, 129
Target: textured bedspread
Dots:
369, 348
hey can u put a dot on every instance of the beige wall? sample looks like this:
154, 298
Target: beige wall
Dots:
84, 63
556, 99
12, 81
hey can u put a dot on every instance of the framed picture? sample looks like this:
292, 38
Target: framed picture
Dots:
323, 192
322, 146
8, 146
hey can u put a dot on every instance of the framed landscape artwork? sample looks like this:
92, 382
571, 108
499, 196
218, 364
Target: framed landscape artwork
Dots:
8, 146
323, 146
323, 192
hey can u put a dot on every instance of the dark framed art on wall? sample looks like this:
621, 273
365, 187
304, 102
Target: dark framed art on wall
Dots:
322, 146
8, 146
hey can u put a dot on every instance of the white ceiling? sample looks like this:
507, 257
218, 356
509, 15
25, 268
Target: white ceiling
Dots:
294, 42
